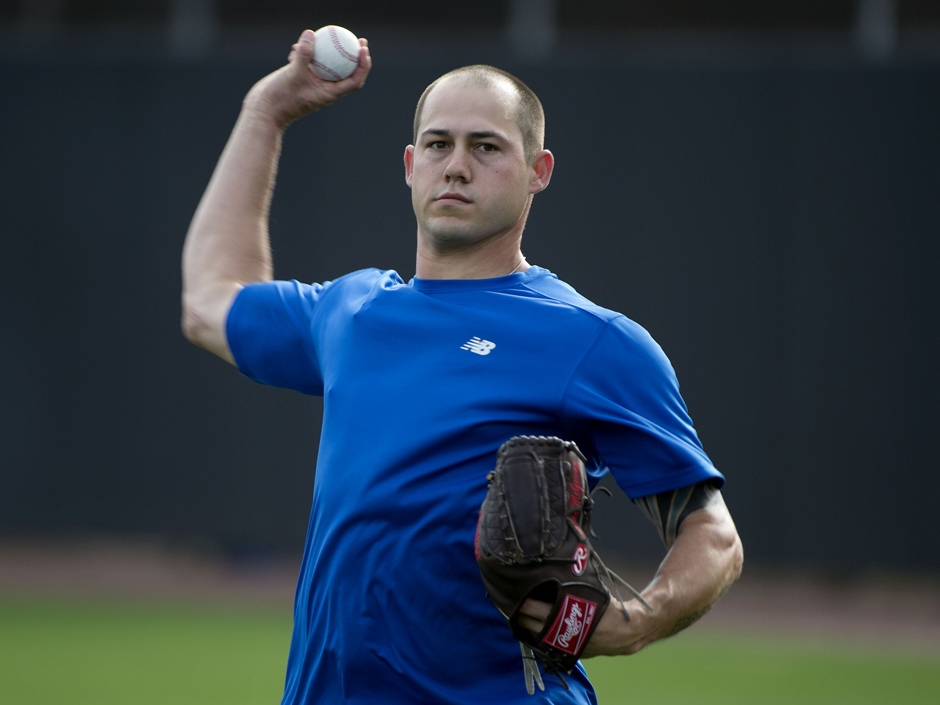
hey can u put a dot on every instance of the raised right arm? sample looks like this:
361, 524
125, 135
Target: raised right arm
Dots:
227, 243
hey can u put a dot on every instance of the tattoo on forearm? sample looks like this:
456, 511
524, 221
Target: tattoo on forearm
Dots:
687, 621
667, 510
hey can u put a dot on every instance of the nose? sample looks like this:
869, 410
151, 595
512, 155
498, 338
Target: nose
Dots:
458, 166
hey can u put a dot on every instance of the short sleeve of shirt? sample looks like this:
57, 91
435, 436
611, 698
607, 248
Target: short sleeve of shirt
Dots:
269, 331
625, 396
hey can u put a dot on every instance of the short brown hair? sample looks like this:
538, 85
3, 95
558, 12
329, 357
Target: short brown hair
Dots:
530, 117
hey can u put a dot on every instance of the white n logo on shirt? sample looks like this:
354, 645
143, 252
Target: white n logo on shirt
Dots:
478, 346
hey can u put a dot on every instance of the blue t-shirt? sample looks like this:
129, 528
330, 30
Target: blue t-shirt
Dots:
422, 382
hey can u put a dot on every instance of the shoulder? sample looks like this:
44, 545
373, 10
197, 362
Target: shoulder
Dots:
293, 292
370, 277
292, 305
545, 284
362, 281
614, 330
618, 353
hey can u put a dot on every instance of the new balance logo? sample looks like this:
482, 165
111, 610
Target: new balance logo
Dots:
478, 346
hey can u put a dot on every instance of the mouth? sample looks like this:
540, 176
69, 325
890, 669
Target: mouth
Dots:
451, 197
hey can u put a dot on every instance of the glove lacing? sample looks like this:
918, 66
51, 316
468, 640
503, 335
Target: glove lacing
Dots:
616, 582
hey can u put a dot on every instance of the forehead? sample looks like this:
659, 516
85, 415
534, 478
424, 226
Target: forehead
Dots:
460, 104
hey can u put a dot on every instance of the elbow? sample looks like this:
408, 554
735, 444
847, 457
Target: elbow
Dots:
195, 323
204, 318
191, 323
733, 551
728, 551
190, 329
728, 545
737, 558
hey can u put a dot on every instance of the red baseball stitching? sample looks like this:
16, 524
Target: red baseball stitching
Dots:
340, 48
327, 69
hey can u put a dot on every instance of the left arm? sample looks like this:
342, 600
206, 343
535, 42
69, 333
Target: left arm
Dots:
705, 557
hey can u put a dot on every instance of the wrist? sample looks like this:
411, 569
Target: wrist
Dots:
618, 635
258, 111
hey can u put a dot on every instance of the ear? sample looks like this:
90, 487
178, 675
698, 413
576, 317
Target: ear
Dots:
409, 163
543, 163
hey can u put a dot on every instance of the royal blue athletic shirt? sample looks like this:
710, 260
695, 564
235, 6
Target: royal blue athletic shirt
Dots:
422, 382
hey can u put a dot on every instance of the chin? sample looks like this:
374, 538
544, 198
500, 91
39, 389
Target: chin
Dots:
454, 234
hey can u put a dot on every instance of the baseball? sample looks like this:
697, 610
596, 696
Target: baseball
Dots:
335, 53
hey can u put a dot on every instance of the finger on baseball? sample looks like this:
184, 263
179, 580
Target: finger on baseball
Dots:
303, 48
358, 77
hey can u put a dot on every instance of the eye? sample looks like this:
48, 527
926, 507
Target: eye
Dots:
487, 147
437, 144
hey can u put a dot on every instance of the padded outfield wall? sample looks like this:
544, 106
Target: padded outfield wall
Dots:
774, 226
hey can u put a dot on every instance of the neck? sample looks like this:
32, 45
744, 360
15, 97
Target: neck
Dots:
487, 260
454, 268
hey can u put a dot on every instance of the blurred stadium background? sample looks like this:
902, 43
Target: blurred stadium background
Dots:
758, 184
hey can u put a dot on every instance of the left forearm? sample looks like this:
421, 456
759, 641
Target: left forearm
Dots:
705, 557
704, 561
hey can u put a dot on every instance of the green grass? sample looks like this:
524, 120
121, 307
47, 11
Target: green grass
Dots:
702, 669
91, 652
85, 651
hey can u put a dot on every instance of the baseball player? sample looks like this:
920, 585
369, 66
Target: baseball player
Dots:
423, 381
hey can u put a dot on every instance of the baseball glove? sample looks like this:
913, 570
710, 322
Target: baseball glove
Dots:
532, 541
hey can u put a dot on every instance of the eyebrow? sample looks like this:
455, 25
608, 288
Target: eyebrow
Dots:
479, 134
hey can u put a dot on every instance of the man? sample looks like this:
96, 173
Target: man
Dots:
423, 381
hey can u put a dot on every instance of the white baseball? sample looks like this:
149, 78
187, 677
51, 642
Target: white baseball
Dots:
335, 53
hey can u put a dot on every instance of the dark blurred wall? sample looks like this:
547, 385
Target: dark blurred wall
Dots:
774, 227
